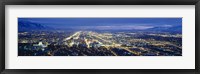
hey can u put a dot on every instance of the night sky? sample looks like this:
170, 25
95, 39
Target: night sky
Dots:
107, 23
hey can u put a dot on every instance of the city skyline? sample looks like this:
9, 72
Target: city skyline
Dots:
100, 36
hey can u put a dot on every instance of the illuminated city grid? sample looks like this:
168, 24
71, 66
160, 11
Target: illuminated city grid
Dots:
99, 36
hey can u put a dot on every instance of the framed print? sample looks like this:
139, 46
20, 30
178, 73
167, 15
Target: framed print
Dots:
75, 36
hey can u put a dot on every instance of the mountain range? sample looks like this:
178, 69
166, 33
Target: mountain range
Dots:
30, 26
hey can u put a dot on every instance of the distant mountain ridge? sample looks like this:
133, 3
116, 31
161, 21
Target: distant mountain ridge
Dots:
28, 26
177, 28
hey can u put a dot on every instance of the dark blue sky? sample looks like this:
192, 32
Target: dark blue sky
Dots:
72, 22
